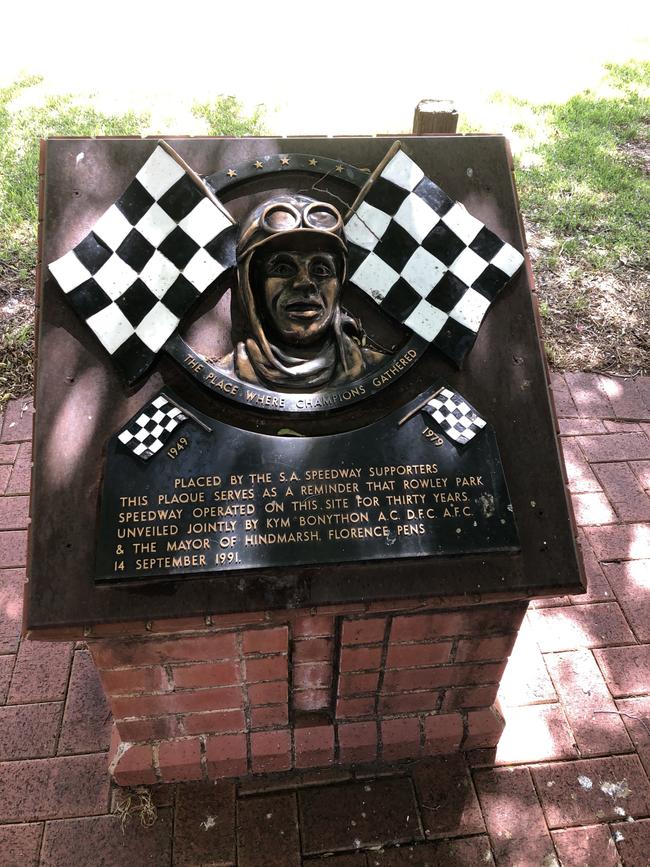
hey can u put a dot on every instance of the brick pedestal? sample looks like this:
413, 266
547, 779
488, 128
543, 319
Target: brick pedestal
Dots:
244, 694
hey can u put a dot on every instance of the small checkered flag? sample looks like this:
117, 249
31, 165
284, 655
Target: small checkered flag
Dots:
423, 258
149, 431
147, 260
459, 421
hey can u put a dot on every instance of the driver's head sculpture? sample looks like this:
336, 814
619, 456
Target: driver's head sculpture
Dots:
291, 259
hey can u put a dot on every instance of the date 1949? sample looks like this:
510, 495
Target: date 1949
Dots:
175, 450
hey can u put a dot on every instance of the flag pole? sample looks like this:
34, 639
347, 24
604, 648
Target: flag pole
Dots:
396, 146
200, 183
420, 406
187, 413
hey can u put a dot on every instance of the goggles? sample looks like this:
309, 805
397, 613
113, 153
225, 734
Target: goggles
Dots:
279, 217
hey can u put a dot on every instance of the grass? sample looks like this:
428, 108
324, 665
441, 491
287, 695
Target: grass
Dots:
582, 169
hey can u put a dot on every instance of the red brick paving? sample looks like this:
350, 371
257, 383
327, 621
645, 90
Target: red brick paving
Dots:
568, 783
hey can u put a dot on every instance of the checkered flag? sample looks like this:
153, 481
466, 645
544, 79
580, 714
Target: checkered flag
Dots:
149, 431
459, 421
423, 258
147, 260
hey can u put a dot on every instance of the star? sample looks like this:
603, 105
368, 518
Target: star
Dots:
313, 162
258, 165
339, 168
231, 173
284, 161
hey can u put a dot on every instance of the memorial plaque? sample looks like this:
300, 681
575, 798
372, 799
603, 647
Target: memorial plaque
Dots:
274, 375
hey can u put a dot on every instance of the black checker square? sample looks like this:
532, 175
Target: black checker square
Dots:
486, 244
447, 292
223, 247
386, 196
401, 300
396, 246
436, 198
491, 282
133, 359
444, 244
135, 250
136, 302
135, 202
181, 198
178, 247
180, 296
92, 252
356, 256
88, 299
455, 340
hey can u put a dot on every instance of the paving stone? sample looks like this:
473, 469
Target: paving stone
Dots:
8, 452
588, 395
587, 702
514, 818
20, 844
570, 427
626, 542
580, 476
592, 509
630, 581
87, 718
597, 625
626, 669
586, 847
5, 473
29, 731
598, 589
57, 788
14, 513
536, 733
564, 405
526, 680
592, 790
6, 667
17, 424
11, 606
615, 447
641, 470
625, 396
204, 829
267, 831
41, 671
445, 792
618, 426
633, 842
635, 713
443, 853
80, 842
13, 548
353, 815
21, 474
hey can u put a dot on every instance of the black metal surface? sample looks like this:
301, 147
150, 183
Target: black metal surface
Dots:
230, 500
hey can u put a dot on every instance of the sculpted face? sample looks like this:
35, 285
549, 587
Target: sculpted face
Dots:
301, 292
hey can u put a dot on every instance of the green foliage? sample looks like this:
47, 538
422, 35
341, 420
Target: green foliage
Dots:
582, 178
20, 131
225, 116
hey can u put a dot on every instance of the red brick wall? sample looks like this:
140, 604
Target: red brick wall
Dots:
214, 697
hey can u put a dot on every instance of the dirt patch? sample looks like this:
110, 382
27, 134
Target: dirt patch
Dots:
16, 333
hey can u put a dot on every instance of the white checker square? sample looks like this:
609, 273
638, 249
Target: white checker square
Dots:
155, 225
202, 269
470, 310
112, 227
508, 259
462, 223
139, 449
111, 326
423, 271
416, 216
426, 320
375, 277
468, 266
367, 226
69, 272
160, 401
204, 222
142, 420
155, 447
159, 173
157, 326
401, 170
159, 274
115, 277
